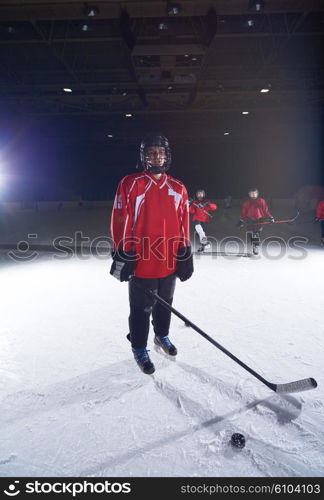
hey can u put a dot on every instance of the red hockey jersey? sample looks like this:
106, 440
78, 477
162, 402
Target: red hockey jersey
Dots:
200, 213
320, 210
151, 217
255, 209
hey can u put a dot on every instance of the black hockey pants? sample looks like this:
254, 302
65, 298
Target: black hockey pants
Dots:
141, 307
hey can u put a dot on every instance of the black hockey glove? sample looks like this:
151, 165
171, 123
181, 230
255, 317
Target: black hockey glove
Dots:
240, 223
123, 265
316, 219
184, 267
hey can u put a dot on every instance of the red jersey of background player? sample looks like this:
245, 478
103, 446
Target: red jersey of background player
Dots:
255, 208
199, 208
320, 210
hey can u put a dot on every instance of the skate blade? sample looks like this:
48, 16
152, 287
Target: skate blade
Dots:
159, 350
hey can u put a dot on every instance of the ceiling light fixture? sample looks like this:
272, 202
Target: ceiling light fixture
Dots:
256, 5
173, 9
91, 10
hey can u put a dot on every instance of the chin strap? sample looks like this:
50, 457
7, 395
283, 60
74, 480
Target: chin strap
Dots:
156, 170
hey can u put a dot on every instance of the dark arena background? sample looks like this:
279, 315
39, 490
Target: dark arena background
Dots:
189, 72
237, 86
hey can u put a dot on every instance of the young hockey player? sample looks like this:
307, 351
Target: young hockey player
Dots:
200, 207
253, 210
320, 218
150, 230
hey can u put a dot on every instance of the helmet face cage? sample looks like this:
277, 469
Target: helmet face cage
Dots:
155, 140
253, 190
201, 191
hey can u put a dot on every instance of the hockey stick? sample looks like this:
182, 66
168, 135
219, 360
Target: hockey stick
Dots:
205, 211
224, 254
296, 386
279, 221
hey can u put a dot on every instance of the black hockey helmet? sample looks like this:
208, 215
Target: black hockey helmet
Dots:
155, 140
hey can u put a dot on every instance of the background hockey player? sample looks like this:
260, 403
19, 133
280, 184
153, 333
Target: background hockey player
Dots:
320, 218
150, 230
254, 210
200, 207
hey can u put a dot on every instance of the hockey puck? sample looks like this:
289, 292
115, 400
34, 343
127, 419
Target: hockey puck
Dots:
238, 440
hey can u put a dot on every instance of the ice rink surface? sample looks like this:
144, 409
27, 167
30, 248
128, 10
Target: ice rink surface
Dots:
74, 403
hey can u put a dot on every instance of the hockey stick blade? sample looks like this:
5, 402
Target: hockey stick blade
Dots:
297, 386
223, 254
304, 384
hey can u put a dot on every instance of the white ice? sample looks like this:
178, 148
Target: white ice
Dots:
74, 403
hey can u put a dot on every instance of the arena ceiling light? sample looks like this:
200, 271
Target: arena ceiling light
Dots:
173, 9
266, 88
256, 5
91, 10
85, 27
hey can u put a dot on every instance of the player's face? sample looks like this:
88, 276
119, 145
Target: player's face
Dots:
253, 194
155, 156
200, 195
